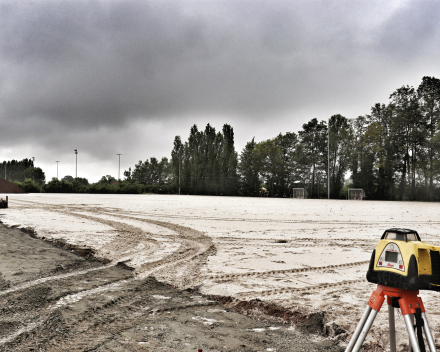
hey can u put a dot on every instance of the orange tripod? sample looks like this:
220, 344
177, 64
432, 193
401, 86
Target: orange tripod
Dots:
411, 307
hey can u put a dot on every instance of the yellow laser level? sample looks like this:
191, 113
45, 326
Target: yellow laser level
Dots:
401, 265
402, 260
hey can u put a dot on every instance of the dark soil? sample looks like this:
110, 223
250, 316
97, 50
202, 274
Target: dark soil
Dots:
9, 187
122, 313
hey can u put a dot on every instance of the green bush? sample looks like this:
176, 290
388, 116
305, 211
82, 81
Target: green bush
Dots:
28, 186
57, 186
122, 187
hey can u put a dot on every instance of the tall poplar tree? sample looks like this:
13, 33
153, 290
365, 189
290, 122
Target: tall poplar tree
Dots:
313, 138
341, 138
248, 169
409, 127
429, 100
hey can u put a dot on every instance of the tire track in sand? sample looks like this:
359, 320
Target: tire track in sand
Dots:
43, 280
227, 277
193, 245
190, 236
286, 290
284, 221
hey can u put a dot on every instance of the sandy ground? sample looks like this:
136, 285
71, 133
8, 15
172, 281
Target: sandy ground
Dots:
53, 300
308, 256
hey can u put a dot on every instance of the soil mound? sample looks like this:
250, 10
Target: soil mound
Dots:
9, 187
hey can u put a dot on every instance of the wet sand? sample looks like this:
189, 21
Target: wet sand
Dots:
55, 299
308, 257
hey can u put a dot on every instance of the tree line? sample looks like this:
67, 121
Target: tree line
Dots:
207, 162
393, 153
396, 148
15, 170
204, 164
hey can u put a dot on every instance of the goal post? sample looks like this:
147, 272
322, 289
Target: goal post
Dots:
356, 194
299, 193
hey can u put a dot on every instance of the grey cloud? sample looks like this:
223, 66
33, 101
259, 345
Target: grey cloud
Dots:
84, 62
412, 32
69, 67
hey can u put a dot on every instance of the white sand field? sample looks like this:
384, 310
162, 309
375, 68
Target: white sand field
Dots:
307, 255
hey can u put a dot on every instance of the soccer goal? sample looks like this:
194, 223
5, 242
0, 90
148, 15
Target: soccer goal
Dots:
299, 193
356, 193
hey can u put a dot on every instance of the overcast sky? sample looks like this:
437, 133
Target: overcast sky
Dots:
108, 77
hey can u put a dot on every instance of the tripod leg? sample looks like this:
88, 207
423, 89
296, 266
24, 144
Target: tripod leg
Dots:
410, 349
365, 330
428, 334
358, 329
392, 326
412, 335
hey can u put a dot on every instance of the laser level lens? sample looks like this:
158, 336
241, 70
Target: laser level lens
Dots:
411, 237
395, 236
391, 257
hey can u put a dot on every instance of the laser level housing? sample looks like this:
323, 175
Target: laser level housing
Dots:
402, 260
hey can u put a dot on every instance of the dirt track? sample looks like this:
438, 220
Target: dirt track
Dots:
53, 299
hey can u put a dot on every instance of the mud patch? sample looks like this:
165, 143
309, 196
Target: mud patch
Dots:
7, 327
3, 283
25, 302
314, 324
124, 266
262, 310
81, 251
84, 252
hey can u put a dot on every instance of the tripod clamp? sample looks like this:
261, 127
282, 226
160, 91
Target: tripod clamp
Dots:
410, 305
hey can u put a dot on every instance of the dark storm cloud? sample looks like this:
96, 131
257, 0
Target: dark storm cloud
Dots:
94, 62
412, 32
83, 69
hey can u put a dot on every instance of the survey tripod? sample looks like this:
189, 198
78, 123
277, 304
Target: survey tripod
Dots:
411, 307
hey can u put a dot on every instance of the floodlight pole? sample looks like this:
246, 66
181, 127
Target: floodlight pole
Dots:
328, 157
179, 169
33, 169
57, 168
119, 170
76, 163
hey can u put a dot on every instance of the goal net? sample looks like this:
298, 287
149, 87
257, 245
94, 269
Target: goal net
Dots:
299, 193
356, 193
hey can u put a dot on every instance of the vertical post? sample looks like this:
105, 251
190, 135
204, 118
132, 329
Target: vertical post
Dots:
33, 169
57, 168
180, 155
76, 163
328, 157
119, 170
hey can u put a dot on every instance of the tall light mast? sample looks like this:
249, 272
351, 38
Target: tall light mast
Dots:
328, 157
